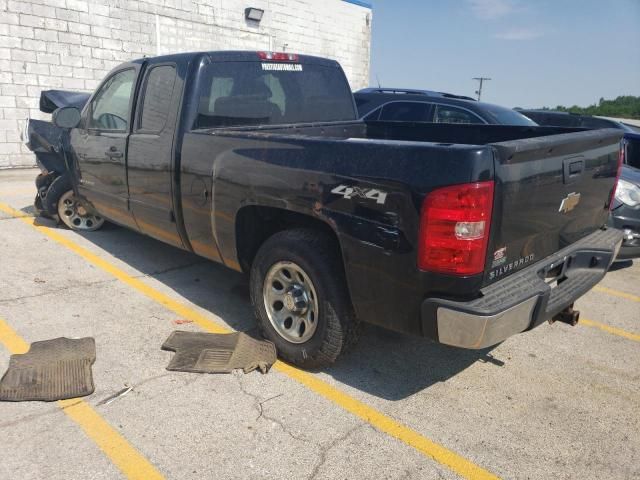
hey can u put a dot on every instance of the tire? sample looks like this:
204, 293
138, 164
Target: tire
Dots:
37, 207
73, 212
309, 256
61, 203
42, 185
43, 180
58, 187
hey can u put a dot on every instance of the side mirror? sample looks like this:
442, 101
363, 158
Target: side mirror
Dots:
66, 117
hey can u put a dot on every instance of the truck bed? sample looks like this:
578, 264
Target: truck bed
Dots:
298, 168
462, 134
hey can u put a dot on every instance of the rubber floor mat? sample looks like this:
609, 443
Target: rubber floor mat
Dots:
218, 353
51, 370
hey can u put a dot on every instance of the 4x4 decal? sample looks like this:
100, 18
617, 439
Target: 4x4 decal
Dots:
367, 193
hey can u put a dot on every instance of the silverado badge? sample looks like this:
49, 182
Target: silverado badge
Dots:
499, 257
569, 202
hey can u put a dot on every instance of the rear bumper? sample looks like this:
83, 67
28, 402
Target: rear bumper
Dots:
523, 300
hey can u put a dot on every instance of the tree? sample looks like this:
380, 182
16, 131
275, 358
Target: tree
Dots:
625, 106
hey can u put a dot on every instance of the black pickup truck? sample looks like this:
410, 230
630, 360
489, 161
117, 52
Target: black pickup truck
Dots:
466, 234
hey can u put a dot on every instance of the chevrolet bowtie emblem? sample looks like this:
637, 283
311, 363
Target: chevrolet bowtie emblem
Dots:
569, 202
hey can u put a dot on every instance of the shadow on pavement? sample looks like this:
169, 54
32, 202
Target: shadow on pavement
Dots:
385, 364
621, 265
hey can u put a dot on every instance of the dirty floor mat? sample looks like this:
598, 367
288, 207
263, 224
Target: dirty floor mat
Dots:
51, 370
218, 353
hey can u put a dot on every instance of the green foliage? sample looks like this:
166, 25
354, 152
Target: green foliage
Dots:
626, 106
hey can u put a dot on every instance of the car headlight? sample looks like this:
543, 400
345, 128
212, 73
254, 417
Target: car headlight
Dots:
628, 193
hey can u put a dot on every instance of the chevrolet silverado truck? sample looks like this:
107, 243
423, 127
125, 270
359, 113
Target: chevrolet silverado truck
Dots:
465, 234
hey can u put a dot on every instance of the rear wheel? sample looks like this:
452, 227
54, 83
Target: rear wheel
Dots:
291, 301
75, 215
300, 298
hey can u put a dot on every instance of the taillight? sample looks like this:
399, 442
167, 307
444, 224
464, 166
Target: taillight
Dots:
615, 184
278, 56
454, 229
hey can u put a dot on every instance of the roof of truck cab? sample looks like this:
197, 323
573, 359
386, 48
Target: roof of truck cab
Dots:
237, 56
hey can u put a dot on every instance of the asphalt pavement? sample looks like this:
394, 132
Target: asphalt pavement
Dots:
558, 402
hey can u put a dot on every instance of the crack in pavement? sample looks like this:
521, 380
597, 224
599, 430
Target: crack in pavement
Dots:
325, 449
111, 398
257, 404
29, 418
97, 282
57, 290
186, 380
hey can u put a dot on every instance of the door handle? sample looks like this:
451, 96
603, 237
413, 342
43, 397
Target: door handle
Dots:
113, 153
573, 168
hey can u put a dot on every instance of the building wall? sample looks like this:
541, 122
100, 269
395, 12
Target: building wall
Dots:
72, 44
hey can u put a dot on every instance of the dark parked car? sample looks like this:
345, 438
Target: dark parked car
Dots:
405, 105
567, 119
466, 234
625, 213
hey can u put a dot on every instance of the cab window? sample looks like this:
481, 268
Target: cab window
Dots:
110, 106
255, 93
451, 114
158, 92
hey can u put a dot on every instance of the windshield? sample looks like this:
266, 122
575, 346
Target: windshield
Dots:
270, 93
506, 116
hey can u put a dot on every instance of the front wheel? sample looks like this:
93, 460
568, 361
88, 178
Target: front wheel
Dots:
300, 298
75, 215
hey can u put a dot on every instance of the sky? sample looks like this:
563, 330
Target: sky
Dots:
537, 52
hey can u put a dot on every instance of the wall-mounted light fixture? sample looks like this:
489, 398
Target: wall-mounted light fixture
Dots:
254, 14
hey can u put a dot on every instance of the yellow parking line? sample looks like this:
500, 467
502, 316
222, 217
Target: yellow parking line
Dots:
124, 456
609, 329
458, 464
11, 340
617, 293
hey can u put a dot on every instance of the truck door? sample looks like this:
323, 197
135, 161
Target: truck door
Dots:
150, 154
100, 145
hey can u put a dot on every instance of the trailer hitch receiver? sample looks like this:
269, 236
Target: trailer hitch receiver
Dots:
568, 315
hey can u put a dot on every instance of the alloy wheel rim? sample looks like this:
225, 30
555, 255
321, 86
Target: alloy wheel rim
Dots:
75, 215
291, 302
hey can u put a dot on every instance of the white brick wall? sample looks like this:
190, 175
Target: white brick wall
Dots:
72, 44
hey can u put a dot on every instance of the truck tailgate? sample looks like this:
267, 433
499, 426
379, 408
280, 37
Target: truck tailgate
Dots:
550, 192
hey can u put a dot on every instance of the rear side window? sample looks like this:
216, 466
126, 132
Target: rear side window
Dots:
506, 116
158, 91
248, 93
405, 112
451, 114
553, 119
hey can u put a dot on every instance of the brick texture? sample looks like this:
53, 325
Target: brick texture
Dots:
72, 44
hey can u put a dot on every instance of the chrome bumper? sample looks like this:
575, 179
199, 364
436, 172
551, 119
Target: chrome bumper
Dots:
524, 299
466, 330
